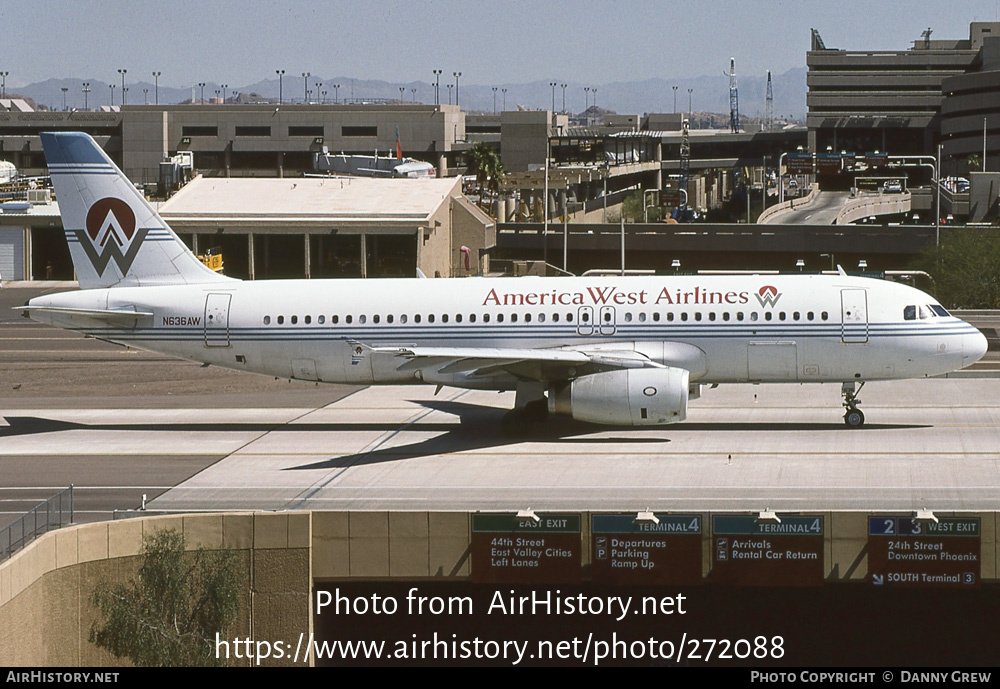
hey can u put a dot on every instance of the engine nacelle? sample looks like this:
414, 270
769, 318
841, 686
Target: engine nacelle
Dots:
629, 397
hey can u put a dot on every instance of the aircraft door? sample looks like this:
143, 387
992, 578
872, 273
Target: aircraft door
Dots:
585, 320
607, 320
217, 320
854, 315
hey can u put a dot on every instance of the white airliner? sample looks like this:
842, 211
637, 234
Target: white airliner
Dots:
613, 350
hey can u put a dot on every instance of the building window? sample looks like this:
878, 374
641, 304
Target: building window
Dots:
348, 131
306, 131
199, 131
253, 131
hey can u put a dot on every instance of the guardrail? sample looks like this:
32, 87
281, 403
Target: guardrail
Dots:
48, 515
787, 205
874, 205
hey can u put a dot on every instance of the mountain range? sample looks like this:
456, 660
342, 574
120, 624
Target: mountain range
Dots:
709, 93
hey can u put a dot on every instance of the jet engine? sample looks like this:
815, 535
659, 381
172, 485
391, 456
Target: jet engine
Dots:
629, 397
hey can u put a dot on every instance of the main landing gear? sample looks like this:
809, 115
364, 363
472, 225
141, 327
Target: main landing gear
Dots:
853, 417
531, 406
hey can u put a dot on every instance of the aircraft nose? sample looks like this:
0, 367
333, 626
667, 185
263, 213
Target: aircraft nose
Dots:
973, 348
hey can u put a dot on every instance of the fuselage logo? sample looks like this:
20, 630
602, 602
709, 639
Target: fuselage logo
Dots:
111, 235
768, 295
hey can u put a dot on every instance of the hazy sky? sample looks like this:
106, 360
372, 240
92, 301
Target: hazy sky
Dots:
495, 42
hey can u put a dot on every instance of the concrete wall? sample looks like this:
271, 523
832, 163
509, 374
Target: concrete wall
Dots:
45, 613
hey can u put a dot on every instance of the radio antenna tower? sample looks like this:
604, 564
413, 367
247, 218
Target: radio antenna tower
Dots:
734, 98
769, 105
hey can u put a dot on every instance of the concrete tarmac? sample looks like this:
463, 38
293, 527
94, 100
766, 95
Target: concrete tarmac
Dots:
119, 424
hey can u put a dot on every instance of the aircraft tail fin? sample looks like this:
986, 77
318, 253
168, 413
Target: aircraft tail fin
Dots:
115, 237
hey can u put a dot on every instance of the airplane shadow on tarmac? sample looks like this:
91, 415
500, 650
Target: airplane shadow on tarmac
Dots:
478, 428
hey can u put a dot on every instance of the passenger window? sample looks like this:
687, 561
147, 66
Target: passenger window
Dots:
585, 317
795, 315
375, 318
335, 319
555, 318
527, 318
472, 318
697, 315
416, 318
541, 318
499, 318
725, 316
768, 315
295, 320
458, 318
810, 315
321, 320
569, 318
642, 317
402, 318
349, 319
309, 320
444, 318
628, 317
362, 318
739, 315
267, 320
281, 320
513, 318
388, 319
753, 315
711, 316
430, 318
670, 316
781, 316
684, 316
824, 316
656, 316
486, 318
607, 317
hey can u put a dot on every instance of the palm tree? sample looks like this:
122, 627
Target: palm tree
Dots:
485, 164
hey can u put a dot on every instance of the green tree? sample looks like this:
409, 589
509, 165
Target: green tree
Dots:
169, 615
484, 163
966, 268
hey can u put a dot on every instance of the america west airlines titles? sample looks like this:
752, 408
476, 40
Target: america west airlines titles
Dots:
612, 295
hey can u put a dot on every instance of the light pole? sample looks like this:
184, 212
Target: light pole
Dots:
586, 98
675, 98
414, 92
64, 90
402, 89
156, 87
324, 96
305, 85
123, 72
145, 96
336, 93
494, 100
504, 92
280, 73
112, 87
217, 92
456, 75
553, 85
3, 84
450, 86
202, 85
86, 92
690, 91
224, 87
595, 97
437, 86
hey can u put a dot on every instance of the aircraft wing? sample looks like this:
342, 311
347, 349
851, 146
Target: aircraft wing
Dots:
532, 364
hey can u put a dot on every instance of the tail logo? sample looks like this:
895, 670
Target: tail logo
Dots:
768, 295
111, 235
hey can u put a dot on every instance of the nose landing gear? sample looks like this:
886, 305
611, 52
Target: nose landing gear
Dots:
853, 417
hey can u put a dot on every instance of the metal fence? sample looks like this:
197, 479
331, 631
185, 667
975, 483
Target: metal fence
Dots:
49, 515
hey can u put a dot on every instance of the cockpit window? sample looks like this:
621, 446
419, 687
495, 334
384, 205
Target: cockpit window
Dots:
910, 313
940, 310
